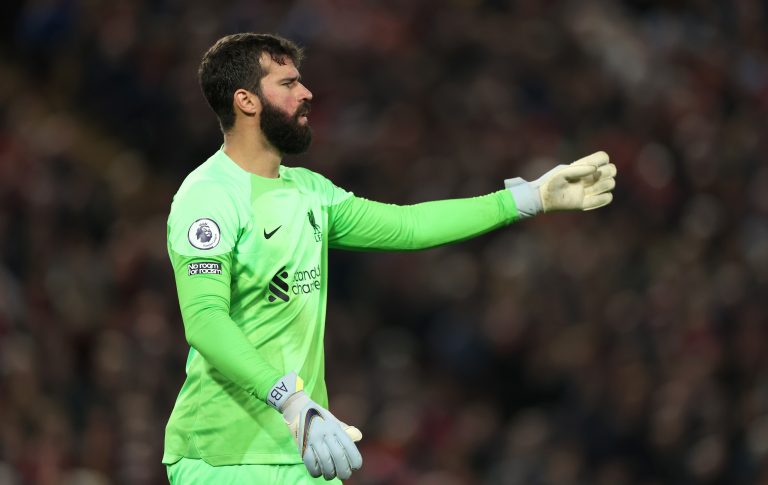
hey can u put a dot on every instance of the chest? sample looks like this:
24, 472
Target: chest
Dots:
284, 238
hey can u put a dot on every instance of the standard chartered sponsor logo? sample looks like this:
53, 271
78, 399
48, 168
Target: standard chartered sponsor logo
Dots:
302, 282
306, 281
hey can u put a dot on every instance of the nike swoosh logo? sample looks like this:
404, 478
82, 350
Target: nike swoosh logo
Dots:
268, 235
312, 413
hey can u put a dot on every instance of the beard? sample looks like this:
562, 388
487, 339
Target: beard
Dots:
283, 131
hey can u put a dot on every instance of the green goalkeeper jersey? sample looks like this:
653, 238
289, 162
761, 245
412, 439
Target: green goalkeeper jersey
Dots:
250, 256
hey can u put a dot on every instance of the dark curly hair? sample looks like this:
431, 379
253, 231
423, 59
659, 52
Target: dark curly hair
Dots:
232, 63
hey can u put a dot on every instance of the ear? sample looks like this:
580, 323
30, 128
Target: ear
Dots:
247, 102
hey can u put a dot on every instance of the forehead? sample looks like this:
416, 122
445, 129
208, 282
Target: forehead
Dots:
275, 69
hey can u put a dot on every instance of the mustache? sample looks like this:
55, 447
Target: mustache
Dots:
304, 108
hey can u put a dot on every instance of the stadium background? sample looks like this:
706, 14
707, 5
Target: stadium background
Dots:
622, 346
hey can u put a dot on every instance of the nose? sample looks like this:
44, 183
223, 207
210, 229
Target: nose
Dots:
306, 94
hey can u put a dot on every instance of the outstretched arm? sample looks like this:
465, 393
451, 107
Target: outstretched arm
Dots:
366, 225
357, 223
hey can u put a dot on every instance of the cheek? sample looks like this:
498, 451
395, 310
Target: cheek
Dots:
276, 96
285, 102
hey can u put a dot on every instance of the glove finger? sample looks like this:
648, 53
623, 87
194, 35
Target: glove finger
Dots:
600, 187
353, 454
574, 173
597, 159
346, 439
603, 173
607, 171
353, 433
597, 201
324, 457
340, 460
312, 462
554, 171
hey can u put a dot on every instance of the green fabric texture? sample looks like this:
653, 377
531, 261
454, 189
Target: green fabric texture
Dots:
198, 472
361, 224
250, 261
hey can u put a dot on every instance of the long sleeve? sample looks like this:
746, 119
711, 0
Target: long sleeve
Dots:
203, 229
357, 223
203, 286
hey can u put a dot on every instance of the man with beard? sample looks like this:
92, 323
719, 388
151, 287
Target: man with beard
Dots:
255, 392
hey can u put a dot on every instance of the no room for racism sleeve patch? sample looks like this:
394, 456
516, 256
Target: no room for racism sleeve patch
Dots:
204, 267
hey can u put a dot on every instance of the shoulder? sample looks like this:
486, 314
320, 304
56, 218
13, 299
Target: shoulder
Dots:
208, 211
211, 186
209, 177
211, 190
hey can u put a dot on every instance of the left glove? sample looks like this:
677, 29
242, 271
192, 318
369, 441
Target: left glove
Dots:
585, 184
326, 445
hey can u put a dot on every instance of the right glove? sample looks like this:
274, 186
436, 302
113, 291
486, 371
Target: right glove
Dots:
585, 184
326, 445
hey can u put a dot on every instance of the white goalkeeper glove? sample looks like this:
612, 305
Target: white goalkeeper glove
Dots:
326, 445
585, 184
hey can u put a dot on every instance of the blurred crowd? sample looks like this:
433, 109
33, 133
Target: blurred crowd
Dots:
625, 346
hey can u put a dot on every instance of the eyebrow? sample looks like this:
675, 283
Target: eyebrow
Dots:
291, 78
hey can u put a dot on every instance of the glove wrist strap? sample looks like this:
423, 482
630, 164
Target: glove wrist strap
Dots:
284, 388
526, 195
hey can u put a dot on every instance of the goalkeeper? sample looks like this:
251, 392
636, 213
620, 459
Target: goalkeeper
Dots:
248, 239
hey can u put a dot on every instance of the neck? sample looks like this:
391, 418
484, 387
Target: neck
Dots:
253, 154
